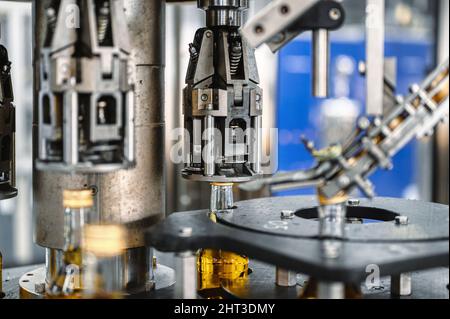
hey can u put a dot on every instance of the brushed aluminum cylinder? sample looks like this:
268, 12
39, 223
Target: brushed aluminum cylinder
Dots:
321, 60
223, 12
257, 144
331, 290
135, 197
210, 161
222, 198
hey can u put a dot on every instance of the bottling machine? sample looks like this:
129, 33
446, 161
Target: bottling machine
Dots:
99, 126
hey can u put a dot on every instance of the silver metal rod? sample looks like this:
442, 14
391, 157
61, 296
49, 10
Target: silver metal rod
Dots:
375, 31
401, 285
332, 220
221, 197
331, 290
257, 144
186, 276
71, 128
286, 278
209, 149
321, 60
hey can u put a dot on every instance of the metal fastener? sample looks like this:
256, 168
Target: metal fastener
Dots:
335, 14
401, 220
353, 202
39, 288
185, 232
287, 214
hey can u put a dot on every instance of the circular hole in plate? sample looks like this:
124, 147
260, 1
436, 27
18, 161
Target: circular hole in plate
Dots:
355, 215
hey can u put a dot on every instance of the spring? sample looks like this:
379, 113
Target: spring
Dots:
52, 18
235, 58
103, 22
194, 53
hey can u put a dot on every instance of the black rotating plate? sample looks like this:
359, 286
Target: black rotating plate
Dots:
423, 244
426, 221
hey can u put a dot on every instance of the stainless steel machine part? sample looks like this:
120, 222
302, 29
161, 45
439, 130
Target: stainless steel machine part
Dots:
186, 276
285, 278
222, 100
341, 168
7, 129
133, 197
274, 26
375, 37
86, 100
401, 285
331, 290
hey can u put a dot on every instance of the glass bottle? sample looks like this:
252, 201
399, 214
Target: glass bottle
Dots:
218, 268
104, 261
67, 283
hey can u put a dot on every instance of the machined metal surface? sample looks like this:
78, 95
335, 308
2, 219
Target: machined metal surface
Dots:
7, 129
428, 222
375, 37
31, 282
86, 99
421, 245
186, 275
133, 197
342, 168
274, 19
222, 101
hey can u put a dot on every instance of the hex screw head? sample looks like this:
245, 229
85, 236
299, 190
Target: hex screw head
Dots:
39, 288
401, 220
335, 14
353, 202
185, 232
287, 214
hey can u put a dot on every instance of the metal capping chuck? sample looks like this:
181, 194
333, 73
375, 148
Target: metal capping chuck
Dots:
223, 12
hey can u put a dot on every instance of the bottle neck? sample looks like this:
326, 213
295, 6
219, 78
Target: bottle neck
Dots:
103, 276
75, 219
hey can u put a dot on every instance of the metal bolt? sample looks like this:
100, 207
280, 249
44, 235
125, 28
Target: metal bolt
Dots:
208, 34
259, 29
353, 202
39, 288
401, 220
185, 232
344, 181
286, 278
364, 123
400, 99
287, 214
415, 88
335, 14
401, 285
205, 97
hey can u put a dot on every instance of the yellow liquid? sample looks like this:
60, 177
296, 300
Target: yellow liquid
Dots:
72, 257
217, 269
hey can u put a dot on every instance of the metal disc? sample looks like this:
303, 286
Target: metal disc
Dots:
32, 283
427, 221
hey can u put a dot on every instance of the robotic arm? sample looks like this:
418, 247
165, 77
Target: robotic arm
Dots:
341, 168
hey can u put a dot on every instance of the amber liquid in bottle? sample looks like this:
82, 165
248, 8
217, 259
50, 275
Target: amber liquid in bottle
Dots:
67, 283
